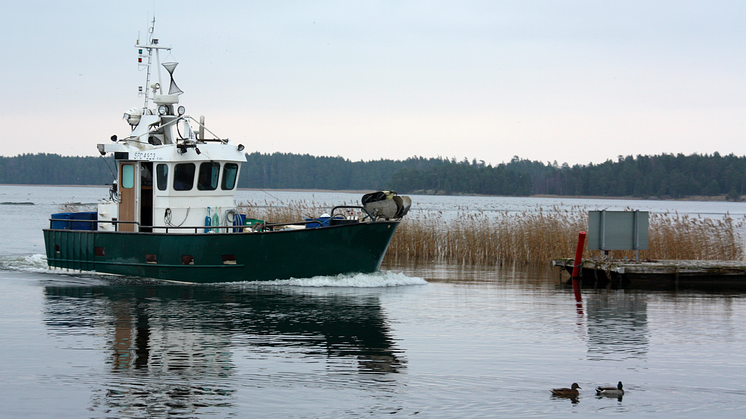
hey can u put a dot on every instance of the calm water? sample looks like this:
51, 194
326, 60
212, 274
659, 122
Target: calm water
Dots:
434, 341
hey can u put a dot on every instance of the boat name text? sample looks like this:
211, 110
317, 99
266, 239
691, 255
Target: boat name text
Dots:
140, 155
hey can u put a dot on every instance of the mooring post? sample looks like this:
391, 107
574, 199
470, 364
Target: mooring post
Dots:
576, 265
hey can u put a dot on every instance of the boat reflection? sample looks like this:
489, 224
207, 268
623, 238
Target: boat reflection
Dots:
179, 349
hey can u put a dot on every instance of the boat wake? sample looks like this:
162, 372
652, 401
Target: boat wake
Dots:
38, 264
374, 280
28, 263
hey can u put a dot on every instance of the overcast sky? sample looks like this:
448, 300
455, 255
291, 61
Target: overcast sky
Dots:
571, 81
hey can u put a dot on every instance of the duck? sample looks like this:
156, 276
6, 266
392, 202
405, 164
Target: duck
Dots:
566, 392
610, 391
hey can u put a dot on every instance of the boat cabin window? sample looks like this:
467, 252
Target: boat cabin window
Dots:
128, 176
229, 176
208, 176
184, 176
161, 176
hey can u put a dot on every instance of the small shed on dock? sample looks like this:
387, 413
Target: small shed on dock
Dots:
618, 230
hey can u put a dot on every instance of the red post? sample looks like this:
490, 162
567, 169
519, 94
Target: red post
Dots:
576, 265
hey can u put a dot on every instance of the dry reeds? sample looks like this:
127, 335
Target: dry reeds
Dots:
537, 237
681, 237
286, 212
75, 207
481, 238
525, 238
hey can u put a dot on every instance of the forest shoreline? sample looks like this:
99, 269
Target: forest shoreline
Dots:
717, 198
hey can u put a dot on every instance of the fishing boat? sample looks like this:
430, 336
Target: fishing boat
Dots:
171, 211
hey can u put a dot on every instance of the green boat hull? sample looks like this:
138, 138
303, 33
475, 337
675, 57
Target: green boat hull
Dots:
224, 257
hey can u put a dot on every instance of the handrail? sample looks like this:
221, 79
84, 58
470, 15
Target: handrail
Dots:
269, 226
294, 223
195, 228
369, 215
70, 221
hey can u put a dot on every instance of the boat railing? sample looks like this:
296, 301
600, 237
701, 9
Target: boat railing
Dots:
70, 222
368, 215
332, 220
141, 228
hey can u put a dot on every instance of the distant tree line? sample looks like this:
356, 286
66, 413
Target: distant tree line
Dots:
53, 169
663, 176
666, 175
295, 171
262, 171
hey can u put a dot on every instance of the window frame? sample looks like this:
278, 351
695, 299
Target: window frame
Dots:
214, 176
161, 179
181, 166
234, 176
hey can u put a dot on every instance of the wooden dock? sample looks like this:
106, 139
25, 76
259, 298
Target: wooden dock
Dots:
711, 274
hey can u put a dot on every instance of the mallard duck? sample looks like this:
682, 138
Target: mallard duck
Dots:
566, 392
610, 391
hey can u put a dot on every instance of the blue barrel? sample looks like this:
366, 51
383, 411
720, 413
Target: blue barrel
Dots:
83, 225
61, 225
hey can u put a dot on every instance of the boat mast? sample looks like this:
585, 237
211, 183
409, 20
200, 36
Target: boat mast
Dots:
151, 45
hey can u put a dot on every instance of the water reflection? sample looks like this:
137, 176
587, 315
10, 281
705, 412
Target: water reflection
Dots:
536, 278
617, 325
173, 350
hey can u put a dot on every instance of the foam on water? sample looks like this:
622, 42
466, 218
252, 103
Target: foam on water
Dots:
28, 263
374, 280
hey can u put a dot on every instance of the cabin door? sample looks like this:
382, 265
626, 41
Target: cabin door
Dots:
128, 194
146, 196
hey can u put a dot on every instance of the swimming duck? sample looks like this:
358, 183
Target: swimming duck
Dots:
610, 391
566, 392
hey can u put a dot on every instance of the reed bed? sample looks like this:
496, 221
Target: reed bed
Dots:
482, 238
523, 238
681, 237
537, 237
